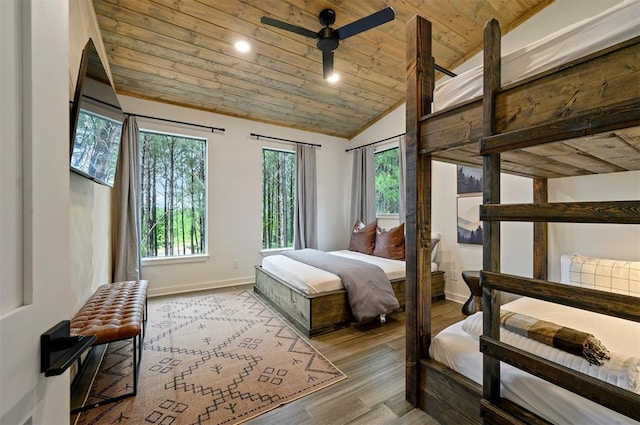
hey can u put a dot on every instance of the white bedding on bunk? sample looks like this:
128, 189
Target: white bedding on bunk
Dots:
459, 351
312, 280
590, 35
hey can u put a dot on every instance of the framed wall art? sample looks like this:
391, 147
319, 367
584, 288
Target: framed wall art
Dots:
469, 224
469, 179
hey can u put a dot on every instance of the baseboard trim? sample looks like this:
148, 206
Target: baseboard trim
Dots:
239, 283
456, 297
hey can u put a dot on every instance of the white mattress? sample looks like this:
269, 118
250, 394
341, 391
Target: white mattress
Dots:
460, 351
590, 35
312, 280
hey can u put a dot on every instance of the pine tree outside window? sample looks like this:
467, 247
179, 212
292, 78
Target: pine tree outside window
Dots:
278, 198
387, 173
173, 195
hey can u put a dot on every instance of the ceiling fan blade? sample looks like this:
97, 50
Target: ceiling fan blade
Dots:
327, 64
288, 27
381, 17
368, 22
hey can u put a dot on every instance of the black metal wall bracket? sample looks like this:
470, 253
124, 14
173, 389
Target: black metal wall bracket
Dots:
58, 349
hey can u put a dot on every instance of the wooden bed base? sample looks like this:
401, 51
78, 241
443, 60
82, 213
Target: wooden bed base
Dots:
314, 314
448, 396
454, 399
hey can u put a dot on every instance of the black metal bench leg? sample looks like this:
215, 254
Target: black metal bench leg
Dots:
136, 354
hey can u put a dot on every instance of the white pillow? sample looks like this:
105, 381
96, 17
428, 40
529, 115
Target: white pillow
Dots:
621, 277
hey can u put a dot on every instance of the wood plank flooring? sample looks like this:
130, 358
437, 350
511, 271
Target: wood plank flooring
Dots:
373, 357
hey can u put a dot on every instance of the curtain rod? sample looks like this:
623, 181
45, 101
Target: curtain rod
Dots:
259, 136
373, 143
213, 129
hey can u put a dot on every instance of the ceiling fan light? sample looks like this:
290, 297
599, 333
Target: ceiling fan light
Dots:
333, 78
242, 46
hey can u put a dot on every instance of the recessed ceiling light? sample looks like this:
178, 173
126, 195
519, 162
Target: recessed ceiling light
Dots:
242, 46
333, 78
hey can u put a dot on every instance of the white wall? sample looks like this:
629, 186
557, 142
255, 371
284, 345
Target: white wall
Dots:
616, 241
235, 201
90, 203
517, 238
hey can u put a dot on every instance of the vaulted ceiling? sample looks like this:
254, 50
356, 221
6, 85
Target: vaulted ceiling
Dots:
182, 52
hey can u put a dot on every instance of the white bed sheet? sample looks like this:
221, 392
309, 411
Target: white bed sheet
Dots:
312, 280
590, 35
460, 351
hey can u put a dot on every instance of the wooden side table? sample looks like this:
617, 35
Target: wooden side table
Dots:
474, 303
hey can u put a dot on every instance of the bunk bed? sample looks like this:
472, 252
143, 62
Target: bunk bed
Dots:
572, 118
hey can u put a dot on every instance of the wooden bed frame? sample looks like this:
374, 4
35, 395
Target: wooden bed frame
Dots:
508, 129
314, 314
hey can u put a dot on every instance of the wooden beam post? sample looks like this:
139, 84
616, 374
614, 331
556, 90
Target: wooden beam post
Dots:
491, 195
540, 231
419, 87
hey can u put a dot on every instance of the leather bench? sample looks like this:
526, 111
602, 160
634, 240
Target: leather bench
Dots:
115, 312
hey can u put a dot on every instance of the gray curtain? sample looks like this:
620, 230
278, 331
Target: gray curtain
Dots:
126, 214
363, 186
402, 158
306, 229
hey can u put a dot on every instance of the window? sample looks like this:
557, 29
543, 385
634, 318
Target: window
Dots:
387, 181
278, 198
173, 195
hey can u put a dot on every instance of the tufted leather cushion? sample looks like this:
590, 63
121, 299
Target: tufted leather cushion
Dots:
114, 312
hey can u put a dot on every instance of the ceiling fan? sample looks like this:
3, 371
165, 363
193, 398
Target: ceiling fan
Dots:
329, 38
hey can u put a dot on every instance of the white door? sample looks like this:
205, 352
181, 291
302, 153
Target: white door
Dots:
34, 205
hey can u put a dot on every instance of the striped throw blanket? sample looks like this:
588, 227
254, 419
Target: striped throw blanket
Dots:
621, 370
563, 338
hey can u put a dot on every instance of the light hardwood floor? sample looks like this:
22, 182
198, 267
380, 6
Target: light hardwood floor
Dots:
373, 358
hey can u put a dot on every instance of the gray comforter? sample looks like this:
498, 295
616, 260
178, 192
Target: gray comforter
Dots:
368, 288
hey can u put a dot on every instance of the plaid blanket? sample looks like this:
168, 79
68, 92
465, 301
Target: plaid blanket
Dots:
566, 339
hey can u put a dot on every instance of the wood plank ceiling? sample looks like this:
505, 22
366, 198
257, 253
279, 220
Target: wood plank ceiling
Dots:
181, 52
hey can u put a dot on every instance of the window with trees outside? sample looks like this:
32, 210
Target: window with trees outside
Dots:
173, 195
387, 173
278, 198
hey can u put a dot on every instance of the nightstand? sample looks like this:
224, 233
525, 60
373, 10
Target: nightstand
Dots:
474, 303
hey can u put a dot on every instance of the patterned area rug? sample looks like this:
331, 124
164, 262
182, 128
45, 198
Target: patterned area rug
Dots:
212, 359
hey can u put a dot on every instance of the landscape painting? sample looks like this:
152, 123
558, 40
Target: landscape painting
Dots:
469, 224
469, 179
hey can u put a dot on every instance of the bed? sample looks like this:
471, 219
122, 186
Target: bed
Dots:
575, 117
457, 347
314, 300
